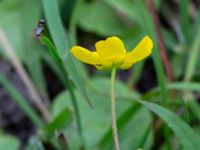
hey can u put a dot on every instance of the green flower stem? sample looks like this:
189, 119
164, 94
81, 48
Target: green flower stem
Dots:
114, 124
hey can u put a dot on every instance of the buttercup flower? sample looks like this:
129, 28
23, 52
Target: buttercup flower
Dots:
111, 52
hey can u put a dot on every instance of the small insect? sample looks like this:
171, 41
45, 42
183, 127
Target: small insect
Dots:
40, 28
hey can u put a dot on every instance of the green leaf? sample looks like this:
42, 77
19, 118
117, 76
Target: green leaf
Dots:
60, 122
100, 18
126, 7
97, 122
9, 143
121, 122
12, 11
188, 138
127, 121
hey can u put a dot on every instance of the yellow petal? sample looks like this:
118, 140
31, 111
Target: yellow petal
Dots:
111, 48
141, 51
85, 55
125, 66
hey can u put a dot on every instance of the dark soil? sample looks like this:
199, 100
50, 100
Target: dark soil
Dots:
12, 119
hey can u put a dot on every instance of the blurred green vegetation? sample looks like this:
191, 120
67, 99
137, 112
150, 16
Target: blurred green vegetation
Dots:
155, 109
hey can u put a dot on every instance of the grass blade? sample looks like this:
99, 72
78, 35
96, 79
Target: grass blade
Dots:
188, 138
185, 20
21, 102
74, 19
193, 57
66, 81
147, 23
62, 44
181, 86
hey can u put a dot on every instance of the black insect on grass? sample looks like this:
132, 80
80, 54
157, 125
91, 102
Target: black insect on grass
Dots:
40, 28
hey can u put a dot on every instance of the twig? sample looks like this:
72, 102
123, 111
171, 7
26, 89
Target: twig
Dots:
159, 36
25, 78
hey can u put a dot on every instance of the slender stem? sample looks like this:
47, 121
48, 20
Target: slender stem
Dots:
114, 124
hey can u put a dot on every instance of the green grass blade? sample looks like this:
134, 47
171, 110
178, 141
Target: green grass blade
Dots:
21, 102
188, 138
181, 86
73, 21
147, 23
52, 50
62, 44
185, 20
66, 81
55, 26
191, 86
193, 57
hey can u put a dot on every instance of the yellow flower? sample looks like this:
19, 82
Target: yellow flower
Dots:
111, 52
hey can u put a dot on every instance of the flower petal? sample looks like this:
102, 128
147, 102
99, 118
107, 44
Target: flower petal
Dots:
141, 51
125, 66
85, 55
112, 47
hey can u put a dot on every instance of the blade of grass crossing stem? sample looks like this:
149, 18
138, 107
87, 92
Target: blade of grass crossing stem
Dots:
147, 24
193, 57
62, 44
188, 138
185, 20
67, 82
21, 102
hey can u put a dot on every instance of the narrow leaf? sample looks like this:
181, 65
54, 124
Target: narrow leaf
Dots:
188, 138
21, 102
62, 44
